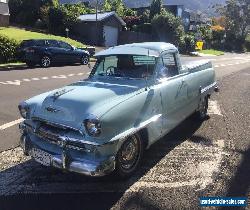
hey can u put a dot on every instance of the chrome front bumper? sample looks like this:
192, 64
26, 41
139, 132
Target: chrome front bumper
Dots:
66, 162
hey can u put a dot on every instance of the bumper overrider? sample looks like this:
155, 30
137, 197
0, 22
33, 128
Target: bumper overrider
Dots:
64, 159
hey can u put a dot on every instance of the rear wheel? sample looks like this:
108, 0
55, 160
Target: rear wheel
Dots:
45, 61
203, 107
85, 60
129, 156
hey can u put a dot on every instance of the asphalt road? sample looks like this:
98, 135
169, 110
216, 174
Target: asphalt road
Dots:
208, 159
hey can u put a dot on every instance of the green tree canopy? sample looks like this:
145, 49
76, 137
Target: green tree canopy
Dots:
155, 8
237, 21
115, 5
168, 28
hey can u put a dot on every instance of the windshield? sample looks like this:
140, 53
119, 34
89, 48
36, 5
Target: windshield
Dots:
128, 66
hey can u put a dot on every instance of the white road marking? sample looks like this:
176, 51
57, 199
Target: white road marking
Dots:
35, 79
214, 108
59, 77
10, 124
18, 82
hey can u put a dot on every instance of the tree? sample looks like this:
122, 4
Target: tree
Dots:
168, 28
155, 8
107, 7
114, 5
237, 22
25, 12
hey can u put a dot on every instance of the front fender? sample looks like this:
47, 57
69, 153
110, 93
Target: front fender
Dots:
141, 111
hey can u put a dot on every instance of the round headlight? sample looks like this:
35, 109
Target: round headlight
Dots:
93, 126
24, 110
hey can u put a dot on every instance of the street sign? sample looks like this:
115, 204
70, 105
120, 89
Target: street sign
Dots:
199, 45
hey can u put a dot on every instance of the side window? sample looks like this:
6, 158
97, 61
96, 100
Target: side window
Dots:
52, 43
161, 69
170, 63
64, 45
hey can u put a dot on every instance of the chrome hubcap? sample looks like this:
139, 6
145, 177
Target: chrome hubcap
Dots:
129, 153
85, 60
45, 61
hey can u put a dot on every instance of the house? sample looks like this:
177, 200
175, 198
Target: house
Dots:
101, 30
4, 13
197, 19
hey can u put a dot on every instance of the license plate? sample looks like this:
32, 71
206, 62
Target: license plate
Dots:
41, 156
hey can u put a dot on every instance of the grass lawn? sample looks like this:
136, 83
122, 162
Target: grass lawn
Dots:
20, 35
212, 52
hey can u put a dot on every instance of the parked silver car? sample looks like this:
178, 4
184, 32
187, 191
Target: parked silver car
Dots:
135, 94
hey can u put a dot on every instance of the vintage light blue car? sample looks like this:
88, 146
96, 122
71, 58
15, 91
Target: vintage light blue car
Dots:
135, 94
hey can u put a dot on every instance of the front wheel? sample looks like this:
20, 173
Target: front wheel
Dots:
129, 156
45, 61
85, 60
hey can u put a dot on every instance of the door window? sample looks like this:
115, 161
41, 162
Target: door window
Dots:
170, 64
65, 45
52, 43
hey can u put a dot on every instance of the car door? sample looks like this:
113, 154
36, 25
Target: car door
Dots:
174, 91
68, 54
54, 50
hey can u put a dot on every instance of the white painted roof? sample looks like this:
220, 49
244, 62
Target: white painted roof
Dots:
145, 48
100, 17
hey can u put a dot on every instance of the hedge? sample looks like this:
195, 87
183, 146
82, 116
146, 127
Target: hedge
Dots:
7, 49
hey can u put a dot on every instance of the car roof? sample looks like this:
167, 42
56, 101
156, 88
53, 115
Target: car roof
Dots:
145, 48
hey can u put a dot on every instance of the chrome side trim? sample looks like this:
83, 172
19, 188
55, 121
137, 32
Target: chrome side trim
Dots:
209, 87
134, 130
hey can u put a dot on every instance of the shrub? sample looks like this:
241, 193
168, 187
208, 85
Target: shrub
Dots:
188, 43
168, 28
7, 49
132, 20
247, 45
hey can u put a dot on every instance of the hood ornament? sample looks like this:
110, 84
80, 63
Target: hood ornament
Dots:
59, 93
51, 109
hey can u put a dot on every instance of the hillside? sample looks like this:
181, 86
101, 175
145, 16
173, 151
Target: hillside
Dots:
20, 35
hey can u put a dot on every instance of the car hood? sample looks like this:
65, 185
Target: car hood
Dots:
74, 103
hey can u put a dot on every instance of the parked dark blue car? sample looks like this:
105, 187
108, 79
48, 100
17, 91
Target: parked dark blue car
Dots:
45, 52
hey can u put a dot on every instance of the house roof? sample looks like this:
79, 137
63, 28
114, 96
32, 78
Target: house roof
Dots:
4, 8
100, 17
146, 48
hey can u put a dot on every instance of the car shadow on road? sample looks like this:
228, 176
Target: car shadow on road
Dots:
32, 186
240, 184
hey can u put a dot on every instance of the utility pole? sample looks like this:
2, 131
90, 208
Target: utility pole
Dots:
96, 19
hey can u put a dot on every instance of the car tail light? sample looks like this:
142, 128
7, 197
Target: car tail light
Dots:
30, 50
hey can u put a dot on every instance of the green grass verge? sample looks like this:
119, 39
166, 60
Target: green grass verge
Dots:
21, 34
212, 52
